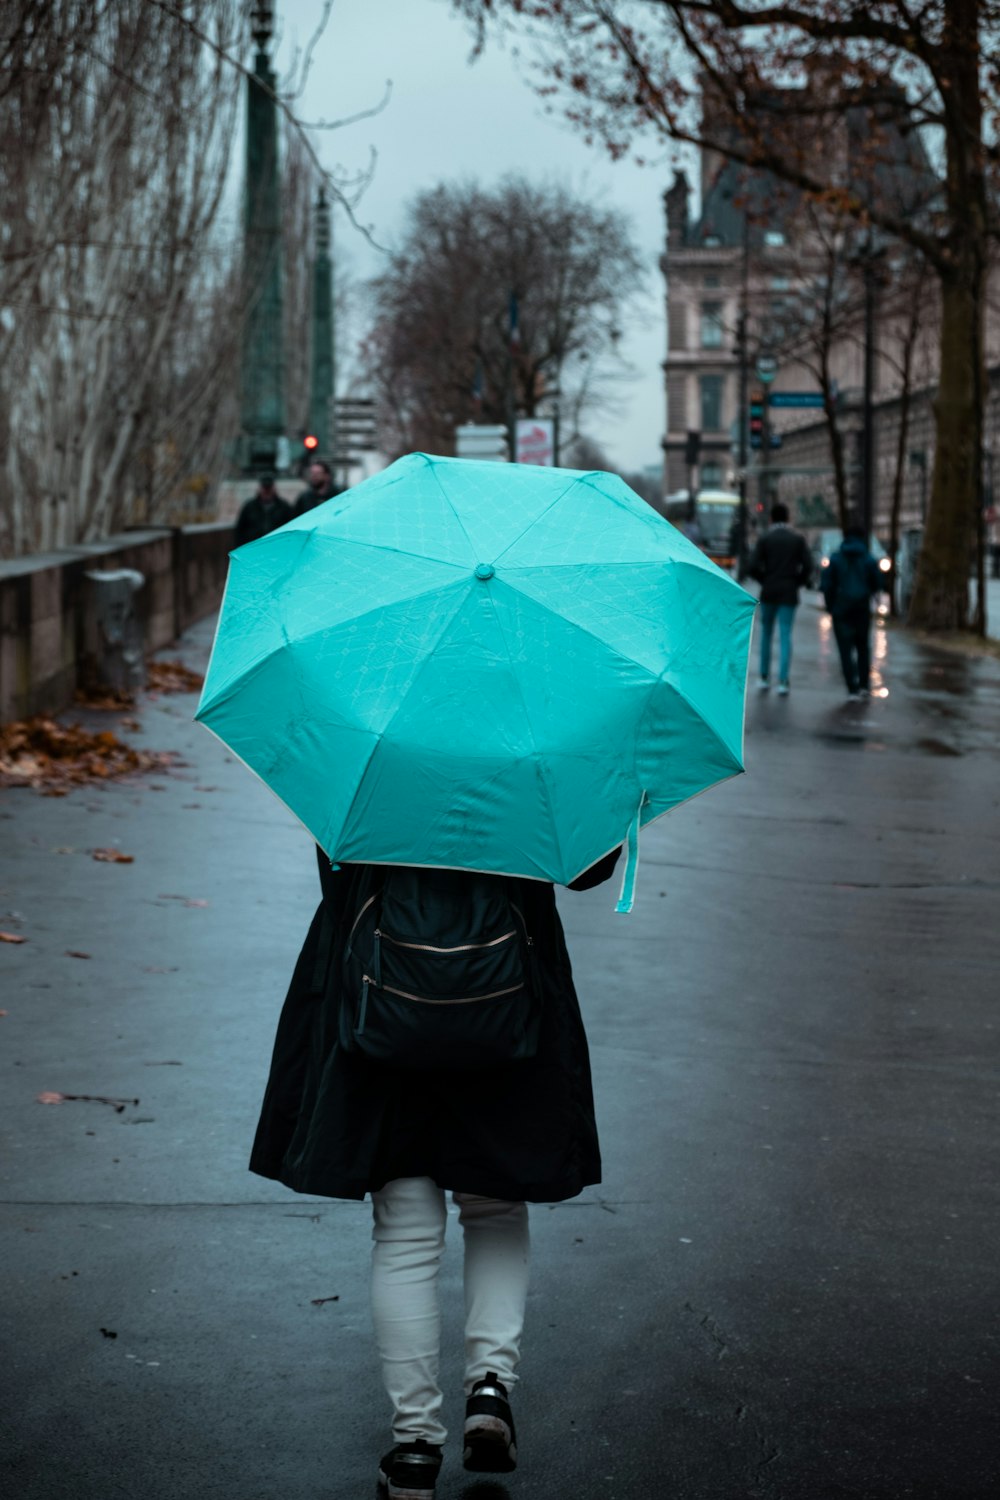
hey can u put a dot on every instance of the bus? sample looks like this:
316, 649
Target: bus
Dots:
716, 513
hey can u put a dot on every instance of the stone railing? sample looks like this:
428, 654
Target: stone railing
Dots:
43, 626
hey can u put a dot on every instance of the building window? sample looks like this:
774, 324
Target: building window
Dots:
711, 476
711, 241
711, 325
773, 238
713, 279
711, 403
779, 283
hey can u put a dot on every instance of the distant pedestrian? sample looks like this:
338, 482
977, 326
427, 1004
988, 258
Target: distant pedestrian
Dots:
782, 564
320, 488
849, 581
262, 513
343, 1118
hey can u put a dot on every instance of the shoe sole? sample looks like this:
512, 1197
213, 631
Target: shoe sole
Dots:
488, 1447
389, 1491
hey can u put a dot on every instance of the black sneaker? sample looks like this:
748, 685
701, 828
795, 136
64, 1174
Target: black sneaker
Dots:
410, 1471
490, 1439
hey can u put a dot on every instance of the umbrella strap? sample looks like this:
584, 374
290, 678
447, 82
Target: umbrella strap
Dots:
626, 896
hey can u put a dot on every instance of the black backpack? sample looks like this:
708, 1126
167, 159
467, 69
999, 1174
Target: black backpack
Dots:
439, 972
852, 580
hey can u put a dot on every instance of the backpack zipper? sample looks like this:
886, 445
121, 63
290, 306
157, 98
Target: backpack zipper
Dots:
431, 948
388, 989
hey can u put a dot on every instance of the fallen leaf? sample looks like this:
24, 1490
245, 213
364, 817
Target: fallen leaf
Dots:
114, 856
51, 757
76, 953
3, 1012
173, 677
12, 937
158, 969
116, 1104
109, 1333
318, 1301
196, 903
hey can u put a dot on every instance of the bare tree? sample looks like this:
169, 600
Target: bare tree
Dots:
115, 141
786, 80
493, 300
121, 299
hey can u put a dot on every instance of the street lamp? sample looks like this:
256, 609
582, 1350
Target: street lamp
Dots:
262, 23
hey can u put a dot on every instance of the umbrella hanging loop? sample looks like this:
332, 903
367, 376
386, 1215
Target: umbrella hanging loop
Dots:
626, 897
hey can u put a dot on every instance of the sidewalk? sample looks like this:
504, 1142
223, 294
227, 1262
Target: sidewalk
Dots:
786, 1285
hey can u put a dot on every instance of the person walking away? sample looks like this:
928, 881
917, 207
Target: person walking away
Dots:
782, 564
319, 488
344, 1116
849, 581
262, 513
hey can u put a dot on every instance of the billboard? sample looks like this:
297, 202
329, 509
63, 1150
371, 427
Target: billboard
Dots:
534, 440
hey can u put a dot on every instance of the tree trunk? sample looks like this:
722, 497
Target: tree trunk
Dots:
941, 596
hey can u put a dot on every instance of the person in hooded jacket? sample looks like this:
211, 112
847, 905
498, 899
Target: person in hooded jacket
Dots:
336, 1123
849, 581
782, 564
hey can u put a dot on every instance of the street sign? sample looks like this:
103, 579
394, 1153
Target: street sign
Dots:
534, 440
483, 440
796, 399
767, 368
354, 419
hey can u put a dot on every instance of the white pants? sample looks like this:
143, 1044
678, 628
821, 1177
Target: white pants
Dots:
410, 1218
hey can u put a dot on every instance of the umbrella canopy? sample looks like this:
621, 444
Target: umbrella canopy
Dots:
483, 666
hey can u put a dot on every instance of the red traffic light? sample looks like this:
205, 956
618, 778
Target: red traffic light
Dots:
310, 442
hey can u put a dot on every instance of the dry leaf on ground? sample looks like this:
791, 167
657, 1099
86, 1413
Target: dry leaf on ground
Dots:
76, 953
172, 677
12, 937
113, 857
42, 753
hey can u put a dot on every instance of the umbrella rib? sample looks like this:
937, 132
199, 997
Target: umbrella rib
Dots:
350, 541
451, 505
531, 731
446, 625
658, 676
535, 519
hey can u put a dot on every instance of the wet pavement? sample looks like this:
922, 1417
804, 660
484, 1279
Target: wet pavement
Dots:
786, 1285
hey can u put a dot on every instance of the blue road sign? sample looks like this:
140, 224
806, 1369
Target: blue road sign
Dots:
796, 398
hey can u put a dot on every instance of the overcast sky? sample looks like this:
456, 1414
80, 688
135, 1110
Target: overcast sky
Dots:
449, 119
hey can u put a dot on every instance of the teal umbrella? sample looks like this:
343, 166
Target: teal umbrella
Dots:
483, 666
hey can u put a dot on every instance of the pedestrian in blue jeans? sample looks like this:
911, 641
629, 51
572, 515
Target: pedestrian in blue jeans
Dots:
782, 564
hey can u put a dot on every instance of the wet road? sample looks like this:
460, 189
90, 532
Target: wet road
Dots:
786, 1285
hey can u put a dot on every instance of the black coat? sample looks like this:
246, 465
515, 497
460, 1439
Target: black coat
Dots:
339, 1125
782, 564
257, 519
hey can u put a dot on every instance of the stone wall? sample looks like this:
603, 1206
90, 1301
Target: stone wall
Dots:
43, 606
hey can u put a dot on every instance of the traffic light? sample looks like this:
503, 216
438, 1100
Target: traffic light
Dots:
692, 448
310, 443
756, 424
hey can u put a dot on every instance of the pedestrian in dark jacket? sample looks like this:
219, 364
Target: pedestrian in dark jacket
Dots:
320, 488
782, 564
849, 581
262, 513
338, 1124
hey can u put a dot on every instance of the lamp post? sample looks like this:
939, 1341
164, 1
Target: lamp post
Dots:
262, 397
744, 374
870, 254
322, 369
